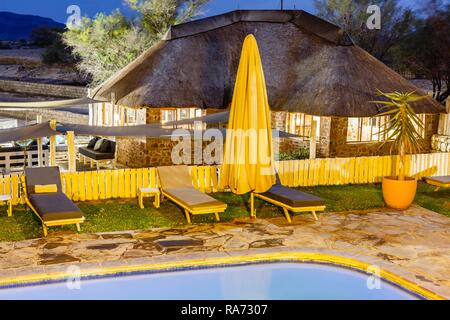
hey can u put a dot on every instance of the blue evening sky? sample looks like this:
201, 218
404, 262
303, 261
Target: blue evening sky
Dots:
56, 9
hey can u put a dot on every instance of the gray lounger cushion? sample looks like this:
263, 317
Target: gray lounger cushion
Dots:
96, 155
441, 179
42, 176
50, 206
54, 206
292, 197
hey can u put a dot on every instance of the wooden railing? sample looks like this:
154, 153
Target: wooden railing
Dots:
16, 160
124, 183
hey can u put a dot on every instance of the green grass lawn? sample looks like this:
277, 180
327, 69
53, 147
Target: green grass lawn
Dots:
120, 215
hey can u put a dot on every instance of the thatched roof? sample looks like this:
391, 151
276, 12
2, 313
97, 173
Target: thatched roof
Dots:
310, 66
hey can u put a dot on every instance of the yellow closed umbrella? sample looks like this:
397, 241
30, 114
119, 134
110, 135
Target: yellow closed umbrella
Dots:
248, 164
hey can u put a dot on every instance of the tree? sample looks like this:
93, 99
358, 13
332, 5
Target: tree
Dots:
351, 16
426, 51
108, 43
52, 40
401, 127
44, 36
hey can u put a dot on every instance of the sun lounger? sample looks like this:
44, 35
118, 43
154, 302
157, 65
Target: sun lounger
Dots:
439, 182
289, 200
43, 194
176, 185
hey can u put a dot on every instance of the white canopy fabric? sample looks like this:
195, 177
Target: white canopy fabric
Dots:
47, 104
149, 131
25, 133
215, 118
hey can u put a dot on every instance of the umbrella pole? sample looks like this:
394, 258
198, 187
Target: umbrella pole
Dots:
313, 140
71, 156
53, 145
39, 143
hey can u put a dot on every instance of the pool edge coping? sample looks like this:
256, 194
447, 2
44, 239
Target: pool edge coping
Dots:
298, 256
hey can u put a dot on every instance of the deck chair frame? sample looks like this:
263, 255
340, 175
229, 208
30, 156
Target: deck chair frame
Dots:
437, 184
47, 224
188, 211
286, 208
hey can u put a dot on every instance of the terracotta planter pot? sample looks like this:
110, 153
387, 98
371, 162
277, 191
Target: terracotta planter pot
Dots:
399, 194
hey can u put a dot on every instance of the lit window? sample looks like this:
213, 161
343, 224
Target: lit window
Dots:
300, 124
168, 115
373, 129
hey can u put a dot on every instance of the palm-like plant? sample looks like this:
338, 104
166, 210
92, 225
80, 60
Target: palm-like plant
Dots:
402, 125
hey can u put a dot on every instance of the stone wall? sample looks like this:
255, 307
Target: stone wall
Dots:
132, 152
153, 115
339, 147
440, 143
43, 89
152, 152
279, 120
288, 145
323, 143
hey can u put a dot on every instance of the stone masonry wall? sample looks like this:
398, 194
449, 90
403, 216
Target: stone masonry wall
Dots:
43, 89
151, 152
279, 119
153, 115
323, 146
339, 147
132, 152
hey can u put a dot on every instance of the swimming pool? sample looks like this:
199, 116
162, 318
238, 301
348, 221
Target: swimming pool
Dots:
266, 281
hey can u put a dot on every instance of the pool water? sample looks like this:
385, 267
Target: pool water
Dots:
251, 282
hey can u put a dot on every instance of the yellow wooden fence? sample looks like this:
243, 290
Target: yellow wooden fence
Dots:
124, 183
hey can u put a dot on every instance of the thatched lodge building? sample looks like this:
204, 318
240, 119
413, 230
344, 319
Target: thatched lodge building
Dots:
313, 71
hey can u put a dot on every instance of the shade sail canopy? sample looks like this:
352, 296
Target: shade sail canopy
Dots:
219, 118
311, 66
149, 131
248, 163
25, 133
216, 118
47, 104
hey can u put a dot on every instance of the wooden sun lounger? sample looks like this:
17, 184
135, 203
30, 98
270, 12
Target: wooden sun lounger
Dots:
290, 200
439, 182
176, 185
53, 208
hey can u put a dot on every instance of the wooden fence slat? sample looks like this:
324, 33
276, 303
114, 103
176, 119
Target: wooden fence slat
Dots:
115, 183
208, 179
127, 183
88, 185
15, 189
82, 186
95, 193
133, 185
101, 185
214, 179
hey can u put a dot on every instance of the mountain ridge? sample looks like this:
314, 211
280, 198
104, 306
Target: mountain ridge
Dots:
15, 26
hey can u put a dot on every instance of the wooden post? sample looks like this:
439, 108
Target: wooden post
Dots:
91, 110
312, 142
53, 145
39, 143
71, 151
103, 114
113, 108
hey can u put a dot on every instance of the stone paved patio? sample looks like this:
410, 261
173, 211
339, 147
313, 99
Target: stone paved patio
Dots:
414, 244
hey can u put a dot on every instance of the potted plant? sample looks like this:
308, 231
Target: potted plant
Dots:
401, 129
